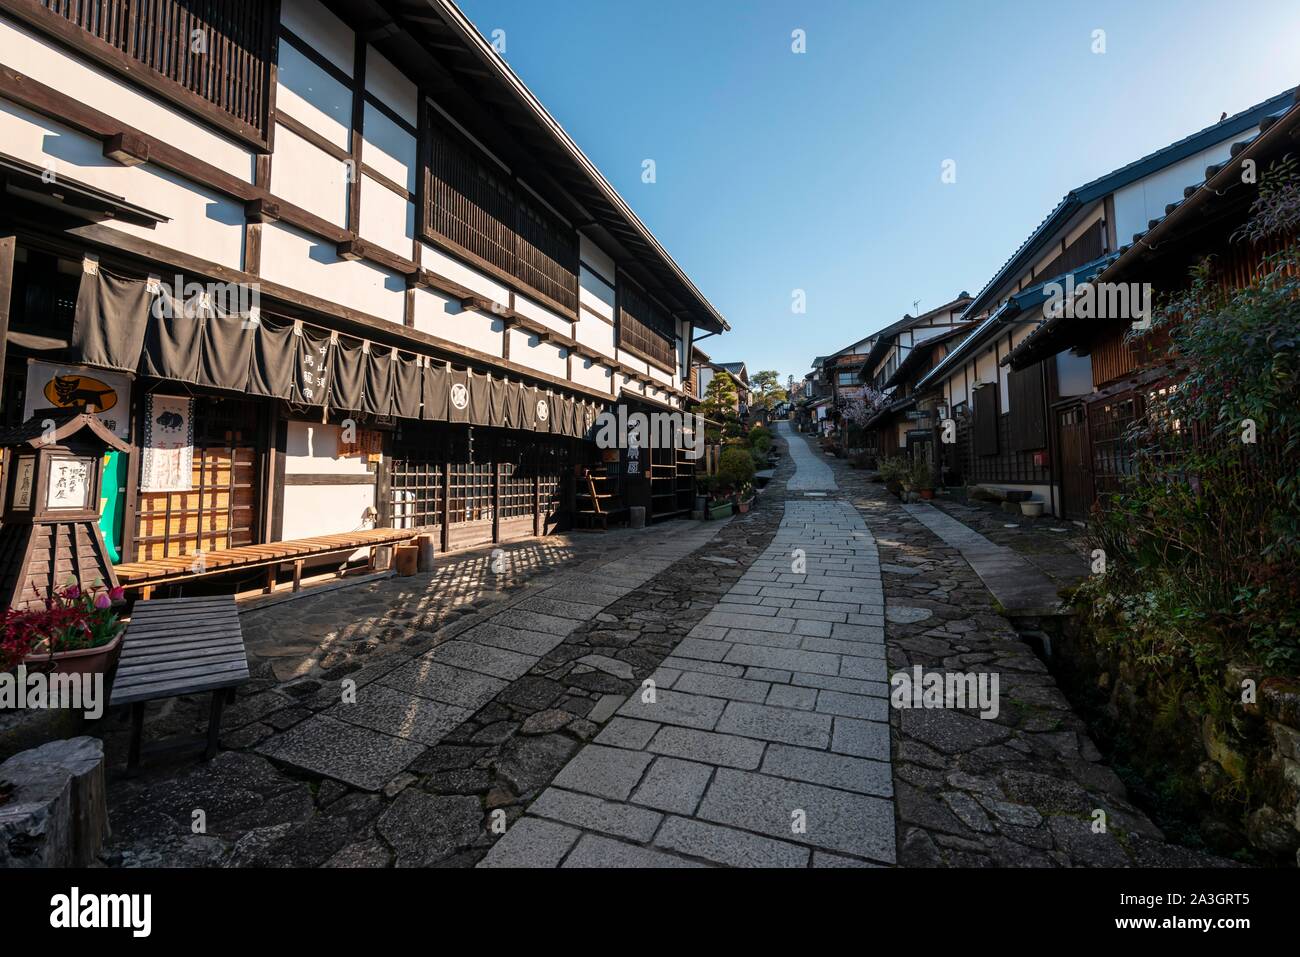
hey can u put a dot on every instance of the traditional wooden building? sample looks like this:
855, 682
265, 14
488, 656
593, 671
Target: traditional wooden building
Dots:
1009, 422
899, 354
1199, 225
323, 266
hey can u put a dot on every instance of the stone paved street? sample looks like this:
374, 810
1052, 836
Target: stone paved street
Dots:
691, 694
763, 740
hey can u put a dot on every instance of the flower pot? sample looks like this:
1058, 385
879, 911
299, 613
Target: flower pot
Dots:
720, 510
927, 493
1031, 509
83, 661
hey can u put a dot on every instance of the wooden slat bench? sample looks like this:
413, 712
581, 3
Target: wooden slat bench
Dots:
166, 571
179, 646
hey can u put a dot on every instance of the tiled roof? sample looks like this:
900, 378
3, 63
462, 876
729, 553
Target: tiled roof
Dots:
1116, 179
1036, 346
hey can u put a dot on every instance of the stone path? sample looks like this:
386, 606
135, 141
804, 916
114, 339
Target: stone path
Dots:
1018, 586
763, 740
812, 474
400, 708
517, 699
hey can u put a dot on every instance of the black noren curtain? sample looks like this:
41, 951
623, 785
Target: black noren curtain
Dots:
111, 317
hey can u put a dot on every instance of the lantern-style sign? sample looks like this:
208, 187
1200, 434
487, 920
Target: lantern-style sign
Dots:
50, 534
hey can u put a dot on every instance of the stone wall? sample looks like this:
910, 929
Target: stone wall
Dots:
1222, 769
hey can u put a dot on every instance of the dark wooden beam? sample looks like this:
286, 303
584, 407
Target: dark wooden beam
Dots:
8, 249
129, 149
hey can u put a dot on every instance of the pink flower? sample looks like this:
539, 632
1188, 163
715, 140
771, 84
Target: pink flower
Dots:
117, 594
102, 601
72, 591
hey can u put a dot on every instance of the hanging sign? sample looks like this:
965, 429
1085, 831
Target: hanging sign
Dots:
107, 395
167, 463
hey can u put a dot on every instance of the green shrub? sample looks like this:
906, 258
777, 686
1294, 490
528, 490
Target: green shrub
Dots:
735, 468
893, 469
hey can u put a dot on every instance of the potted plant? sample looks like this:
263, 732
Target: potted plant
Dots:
745, 498
77, 632
916, 478
735, 470
892, 472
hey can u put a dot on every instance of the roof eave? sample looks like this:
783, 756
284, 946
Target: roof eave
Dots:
454, 18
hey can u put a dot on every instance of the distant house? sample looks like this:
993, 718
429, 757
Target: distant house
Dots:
1007, 420
900, 353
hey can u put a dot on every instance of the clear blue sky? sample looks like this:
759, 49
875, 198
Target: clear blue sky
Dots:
821, 171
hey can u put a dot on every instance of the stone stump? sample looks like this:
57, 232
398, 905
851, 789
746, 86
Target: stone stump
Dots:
53, 805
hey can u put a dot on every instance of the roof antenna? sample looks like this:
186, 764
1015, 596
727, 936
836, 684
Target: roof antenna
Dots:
916, 307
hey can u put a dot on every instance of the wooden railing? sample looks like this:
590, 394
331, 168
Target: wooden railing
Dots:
217, 52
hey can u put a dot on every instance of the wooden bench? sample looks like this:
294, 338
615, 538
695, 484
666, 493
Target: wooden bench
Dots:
179, 646
166, 571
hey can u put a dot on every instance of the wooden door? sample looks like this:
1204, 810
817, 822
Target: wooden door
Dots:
1076, 463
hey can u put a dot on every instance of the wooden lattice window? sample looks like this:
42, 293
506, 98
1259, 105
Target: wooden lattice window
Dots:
645, 328
212, 57
221, 508
1112, 457
471, 492
516, 491
415, 489
475, 209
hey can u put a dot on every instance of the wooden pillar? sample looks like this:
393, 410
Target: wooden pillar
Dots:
8, 250
539, 524
496, 502
446, 504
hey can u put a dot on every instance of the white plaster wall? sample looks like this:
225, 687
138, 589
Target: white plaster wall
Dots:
310, 95
439, 262
387, 219
441, 316
388, 148
632, 361
594, 294
312, 449
597, 258
596, 334
329, 35
591, 373
303, 262
526, 350
1073, 374
1139, 203
526, 307
391, 87
308, 177
203, 223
